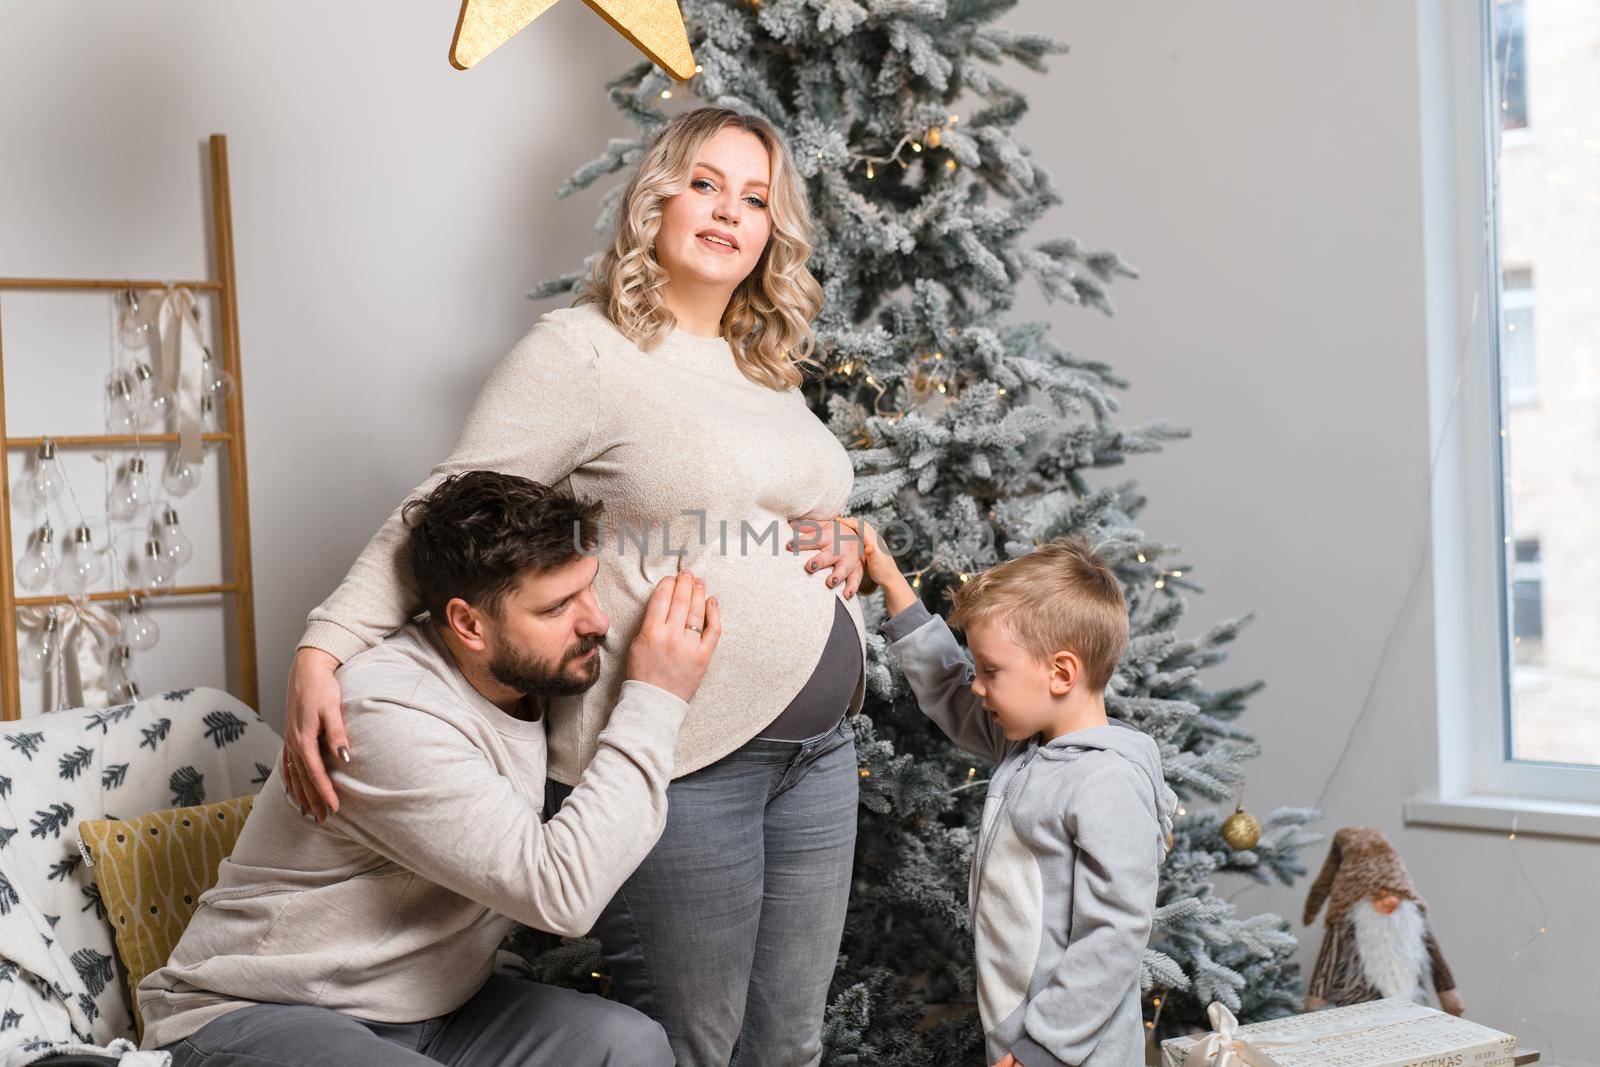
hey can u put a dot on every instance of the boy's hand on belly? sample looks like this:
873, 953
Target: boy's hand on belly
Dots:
882, 570
1007, 1061
836, 545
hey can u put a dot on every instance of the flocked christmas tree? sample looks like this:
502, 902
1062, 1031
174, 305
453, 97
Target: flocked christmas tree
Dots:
982, 435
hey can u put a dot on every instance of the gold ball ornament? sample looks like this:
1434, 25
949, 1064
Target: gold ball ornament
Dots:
1241, 831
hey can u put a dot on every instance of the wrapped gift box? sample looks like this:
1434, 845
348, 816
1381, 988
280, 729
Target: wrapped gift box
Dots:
1378, 1033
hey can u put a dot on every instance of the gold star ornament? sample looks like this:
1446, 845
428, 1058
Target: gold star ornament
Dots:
654, 26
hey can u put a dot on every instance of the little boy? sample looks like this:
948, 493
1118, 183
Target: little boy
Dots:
1063, 888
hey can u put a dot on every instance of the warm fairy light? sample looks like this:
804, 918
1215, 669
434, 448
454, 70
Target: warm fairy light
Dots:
964, 578
698, 68
1177, 574
1182, 810
1161, 583
916, 583
1141, 557
666, 94
954, 119
950, 164
941, 387
865, 773
869, 172
972, 772
1002, 392
916, 146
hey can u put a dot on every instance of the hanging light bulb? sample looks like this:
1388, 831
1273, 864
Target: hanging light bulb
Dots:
80, 565
209, 420
214, 381
175, 544
179, 477
138, 629
154, 399
122, 415
153, 572
39, 651
33, 569
121, 685
131, 491
133, 327
48, 477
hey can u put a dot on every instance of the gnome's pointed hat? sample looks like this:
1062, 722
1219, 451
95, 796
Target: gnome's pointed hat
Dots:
1361, 864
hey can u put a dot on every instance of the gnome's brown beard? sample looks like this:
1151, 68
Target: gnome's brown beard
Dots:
1391, 947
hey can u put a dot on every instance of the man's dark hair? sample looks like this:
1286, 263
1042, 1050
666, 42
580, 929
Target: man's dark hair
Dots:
478, 530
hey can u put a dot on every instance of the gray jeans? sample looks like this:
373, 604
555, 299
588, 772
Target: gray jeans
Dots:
728, 932
510, 1022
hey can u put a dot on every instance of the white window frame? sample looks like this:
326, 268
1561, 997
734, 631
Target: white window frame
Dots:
1478, 784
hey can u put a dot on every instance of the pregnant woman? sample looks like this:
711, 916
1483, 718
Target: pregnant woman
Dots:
670, 392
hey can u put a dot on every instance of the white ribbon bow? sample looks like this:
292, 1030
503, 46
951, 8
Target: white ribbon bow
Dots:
1221, 1048
80, 625
173, 322
177, 323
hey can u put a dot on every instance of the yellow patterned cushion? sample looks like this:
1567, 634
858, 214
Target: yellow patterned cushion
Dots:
151, 872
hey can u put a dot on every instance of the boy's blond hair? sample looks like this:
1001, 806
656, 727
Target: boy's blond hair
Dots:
1061, 596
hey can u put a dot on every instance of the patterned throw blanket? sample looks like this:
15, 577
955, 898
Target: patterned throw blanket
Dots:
62, 988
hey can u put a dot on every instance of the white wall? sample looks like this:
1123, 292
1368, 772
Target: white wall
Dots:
1259, 162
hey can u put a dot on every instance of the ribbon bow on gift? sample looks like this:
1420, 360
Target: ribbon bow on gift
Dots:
1221, 1048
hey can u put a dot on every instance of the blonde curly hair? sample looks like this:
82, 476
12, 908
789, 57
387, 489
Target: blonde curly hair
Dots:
768, 318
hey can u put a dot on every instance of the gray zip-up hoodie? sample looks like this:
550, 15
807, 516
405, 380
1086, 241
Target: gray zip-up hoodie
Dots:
1064, 875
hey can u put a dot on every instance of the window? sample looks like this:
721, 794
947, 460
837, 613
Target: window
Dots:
1512, 291
1548, 441
1511, 64
1519, 366
1527, 611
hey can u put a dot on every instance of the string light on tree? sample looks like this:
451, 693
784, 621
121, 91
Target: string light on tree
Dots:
931, 135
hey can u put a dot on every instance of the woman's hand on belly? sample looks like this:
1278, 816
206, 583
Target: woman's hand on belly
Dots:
836, 545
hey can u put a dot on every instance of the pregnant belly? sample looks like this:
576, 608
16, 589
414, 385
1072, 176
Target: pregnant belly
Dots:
776, 616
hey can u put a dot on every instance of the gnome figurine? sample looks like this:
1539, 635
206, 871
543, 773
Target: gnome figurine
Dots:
1377, 941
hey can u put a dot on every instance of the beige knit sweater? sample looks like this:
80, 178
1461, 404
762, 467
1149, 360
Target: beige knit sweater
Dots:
392, 909
690, 458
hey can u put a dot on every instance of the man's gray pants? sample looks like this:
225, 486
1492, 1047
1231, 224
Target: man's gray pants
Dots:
510, 1022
